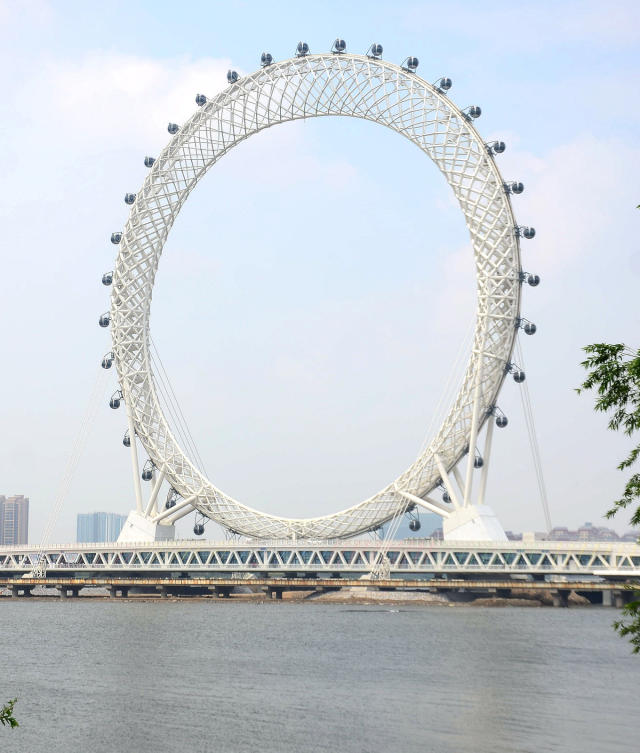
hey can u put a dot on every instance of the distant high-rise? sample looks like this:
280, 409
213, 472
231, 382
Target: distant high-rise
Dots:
14, 520
96, 527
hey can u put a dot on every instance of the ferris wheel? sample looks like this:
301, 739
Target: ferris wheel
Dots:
304, 86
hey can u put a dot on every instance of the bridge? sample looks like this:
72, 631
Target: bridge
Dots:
598, 592
601, 571
411, 558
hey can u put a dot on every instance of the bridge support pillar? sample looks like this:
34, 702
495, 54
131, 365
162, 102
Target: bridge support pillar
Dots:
113, 591
222, 592
618, 599
560, 598
15, 591
274, 593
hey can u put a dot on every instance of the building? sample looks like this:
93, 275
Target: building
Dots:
14, 520
589, 532
97, 527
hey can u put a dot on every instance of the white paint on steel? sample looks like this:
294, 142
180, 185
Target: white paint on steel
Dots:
551, 558
312, 86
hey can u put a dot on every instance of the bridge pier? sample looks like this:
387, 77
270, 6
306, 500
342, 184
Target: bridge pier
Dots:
113, 591
274, 593
560, 597
623, 597
15, 591
222, 592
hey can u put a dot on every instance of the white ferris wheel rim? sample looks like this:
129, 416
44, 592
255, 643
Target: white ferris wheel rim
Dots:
301, 87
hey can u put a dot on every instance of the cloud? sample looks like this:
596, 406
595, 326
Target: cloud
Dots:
571, 195
15, 13
78, 132
514, 26
99, 111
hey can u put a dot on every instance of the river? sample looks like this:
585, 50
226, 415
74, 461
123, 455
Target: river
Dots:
213, 675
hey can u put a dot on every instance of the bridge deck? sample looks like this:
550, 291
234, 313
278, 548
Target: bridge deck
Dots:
412, 557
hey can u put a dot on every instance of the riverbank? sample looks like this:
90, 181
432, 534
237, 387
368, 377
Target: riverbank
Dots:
347, 596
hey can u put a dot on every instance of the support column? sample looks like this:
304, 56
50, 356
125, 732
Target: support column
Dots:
446, 481
560, 598
15, 591
134, 459
475, 415
486, 458
151, 505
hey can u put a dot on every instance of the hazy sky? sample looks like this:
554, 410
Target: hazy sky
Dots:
316, 288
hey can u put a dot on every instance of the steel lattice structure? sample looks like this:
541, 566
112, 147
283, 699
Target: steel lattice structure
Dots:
585, 558
303, 87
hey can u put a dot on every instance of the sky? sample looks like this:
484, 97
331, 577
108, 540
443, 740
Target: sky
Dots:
317, 289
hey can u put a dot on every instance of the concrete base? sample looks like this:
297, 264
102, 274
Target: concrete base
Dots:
473, 523
137, 528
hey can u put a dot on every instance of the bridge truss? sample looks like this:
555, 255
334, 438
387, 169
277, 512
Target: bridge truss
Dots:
420, 558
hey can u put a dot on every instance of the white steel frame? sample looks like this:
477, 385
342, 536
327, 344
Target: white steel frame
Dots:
571, 558
303, 87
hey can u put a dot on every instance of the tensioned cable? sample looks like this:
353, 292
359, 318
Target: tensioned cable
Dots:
86, 424
389, 536
173, 400
453, 378
446, 396
165, 398
182, 420
525, 397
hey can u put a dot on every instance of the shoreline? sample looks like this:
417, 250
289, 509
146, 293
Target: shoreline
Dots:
339, 598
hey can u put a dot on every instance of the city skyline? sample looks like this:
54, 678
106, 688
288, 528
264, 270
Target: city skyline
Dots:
291, 401
97, 527
14, 520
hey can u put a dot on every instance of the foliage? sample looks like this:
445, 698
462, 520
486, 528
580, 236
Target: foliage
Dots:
614, 372
6, 714
632, 609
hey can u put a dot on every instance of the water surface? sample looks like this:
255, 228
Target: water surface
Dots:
211, 675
